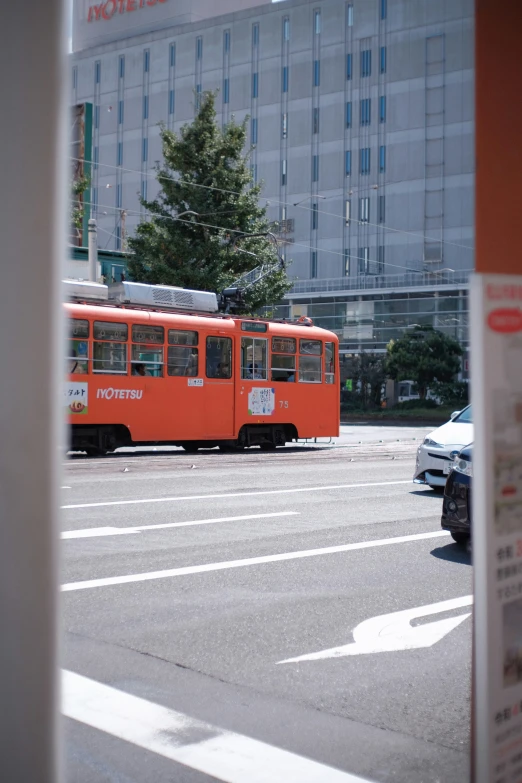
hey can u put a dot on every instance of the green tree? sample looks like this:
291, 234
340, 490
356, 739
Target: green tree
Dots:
79, 185
206, 175
424, 355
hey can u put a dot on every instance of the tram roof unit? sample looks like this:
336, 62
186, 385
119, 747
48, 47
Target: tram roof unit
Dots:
159, 299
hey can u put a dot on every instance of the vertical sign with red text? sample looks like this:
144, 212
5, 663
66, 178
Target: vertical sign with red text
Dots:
497, 525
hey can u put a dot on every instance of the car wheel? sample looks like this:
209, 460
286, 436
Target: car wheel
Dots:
460, 538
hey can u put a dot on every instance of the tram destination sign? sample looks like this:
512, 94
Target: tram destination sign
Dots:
253, 326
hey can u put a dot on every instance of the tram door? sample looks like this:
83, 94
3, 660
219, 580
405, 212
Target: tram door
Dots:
219, 387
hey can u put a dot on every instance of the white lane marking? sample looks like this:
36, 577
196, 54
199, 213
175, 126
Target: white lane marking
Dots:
224, 755
236, 494
95, 532
390, 632
65, 487
201, 569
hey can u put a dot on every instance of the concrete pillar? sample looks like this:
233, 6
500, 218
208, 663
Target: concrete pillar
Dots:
33, 220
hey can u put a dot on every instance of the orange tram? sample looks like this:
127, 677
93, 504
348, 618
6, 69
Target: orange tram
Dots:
149, 375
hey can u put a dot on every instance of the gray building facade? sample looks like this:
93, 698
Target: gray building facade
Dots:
361, 122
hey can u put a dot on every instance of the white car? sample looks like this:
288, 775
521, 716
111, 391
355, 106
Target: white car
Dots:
435, 455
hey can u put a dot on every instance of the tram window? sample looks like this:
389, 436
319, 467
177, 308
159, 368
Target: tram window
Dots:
147, 360
148, 334
283, 363
253, 358
109, 348
78, 355
309, 369
179, 337
283, 345
329, 362
313, 347
182, 360
219, 357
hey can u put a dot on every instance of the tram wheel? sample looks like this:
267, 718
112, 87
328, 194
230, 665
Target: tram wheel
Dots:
93, 451
190, 447
267, 446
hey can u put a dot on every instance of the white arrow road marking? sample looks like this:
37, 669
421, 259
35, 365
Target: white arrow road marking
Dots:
95, 532
390, 632
224, 755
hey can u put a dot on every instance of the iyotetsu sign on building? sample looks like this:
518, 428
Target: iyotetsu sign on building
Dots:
98, 22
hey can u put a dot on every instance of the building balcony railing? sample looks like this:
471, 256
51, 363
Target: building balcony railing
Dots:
420, 280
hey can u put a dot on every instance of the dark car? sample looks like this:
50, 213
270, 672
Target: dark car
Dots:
456, 507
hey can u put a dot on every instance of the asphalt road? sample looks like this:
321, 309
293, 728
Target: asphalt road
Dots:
189, 580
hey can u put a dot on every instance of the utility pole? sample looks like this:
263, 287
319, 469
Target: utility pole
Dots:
93, 251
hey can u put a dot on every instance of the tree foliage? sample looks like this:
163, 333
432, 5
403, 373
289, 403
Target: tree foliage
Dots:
79, 185
205, 171
424, 355
368, 374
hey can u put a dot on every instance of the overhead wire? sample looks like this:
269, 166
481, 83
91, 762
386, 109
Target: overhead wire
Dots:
154, 175
237, 231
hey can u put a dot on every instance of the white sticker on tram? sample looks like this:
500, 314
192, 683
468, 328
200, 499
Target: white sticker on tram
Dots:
95, 532
249, 561
119, 394
220, 753
236, 494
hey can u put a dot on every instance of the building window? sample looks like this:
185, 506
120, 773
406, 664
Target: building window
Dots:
349, 15
348, 162
171, 101
286, 29
366, 62
349, 114
255, 85
382, 209
365, 160
146, 60
145, 150
315, 120
253, 131
382, 158
120, 112
382, 108
253, 172
144, 189
118, 247
315, 216
315, 168
118, 196
348, 67
347, 263
313, 264
226, 96
96, 116
75, 77
119, 154
284, 85
364, 209
317, 73
172, 55
380, 260
95, 156
121, 68
145, 107
365, 111
317, 22
255, 34
94, 199
347, 211
284, 125
199, 47
363, 261
383, 59
384, 9
226, 41
97, 72
283, 172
